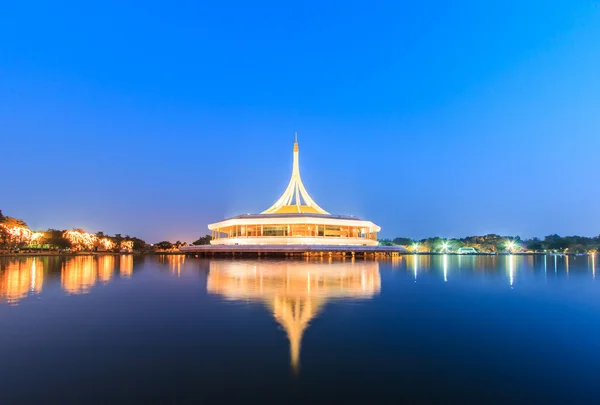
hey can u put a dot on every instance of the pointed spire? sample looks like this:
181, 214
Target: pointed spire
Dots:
295, 191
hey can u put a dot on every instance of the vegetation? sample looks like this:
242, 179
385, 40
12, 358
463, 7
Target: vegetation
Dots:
15, 234
497, 243
204, 240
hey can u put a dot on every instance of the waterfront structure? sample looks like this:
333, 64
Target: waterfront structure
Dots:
294, 219
295, 292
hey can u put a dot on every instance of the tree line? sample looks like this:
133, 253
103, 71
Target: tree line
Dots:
497, 243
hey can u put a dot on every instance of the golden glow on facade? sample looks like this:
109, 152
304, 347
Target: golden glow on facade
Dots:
295, 292
294, 219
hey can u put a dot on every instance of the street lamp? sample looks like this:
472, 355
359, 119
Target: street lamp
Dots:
445, 246
415, 248
510, 246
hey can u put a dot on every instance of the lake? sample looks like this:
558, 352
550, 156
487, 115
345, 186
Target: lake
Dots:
413, 329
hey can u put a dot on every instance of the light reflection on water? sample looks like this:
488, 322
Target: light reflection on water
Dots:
25, 276
21, 277
361, 330
294, 292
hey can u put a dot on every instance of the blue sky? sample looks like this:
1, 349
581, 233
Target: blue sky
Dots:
429, 118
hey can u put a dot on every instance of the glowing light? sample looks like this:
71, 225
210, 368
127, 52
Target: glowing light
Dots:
127, 245
126, 266
106, 267
36, 237
106, 244
415, 247
445, 246
17, 234
511, 269
510, 246
80, 240
445, 268
294, 292
78, 275
415, 266
20, 279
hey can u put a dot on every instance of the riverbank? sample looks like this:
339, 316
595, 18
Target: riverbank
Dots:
73, 254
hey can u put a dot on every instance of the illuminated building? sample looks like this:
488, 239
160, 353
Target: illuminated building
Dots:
295, 292
294, 219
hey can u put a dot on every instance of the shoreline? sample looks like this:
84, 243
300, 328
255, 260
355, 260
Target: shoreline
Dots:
74, 254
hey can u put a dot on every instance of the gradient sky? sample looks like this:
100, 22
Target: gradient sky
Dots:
428, 118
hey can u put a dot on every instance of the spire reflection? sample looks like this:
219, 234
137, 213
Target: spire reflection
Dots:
295, 292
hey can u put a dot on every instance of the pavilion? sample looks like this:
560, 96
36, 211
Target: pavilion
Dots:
294, 219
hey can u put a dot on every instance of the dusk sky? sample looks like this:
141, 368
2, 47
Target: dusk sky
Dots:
429, 118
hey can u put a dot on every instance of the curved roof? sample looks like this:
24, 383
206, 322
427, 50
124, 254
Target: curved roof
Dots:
295, 198
293, 215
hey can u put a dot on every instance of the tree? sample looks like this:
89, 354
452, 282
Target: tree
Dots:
403, 241
138, 244
386, 242
4, 238
56, 239
118, 239
204, 240
534, 244
164, 245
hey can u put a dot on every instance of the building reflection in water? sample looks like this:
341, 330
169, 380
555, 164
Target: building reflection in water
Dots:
126, 266
21, 278
294, 291
79, 274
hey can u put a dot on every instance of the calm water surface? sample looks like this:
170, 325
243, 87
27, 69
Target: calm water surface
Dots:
415, 330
